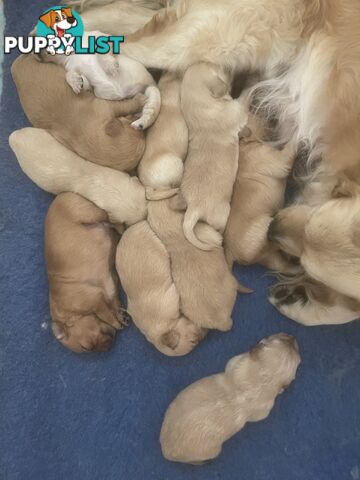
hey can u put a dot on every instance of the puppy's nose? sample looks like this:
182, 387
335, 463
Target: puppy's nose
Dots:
71, 20
273, 230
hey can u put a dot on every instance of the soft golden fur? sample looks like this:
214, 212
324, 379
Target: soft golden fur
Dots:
210, 411
144, 267
258, 194
325, 239
214, 120
206, 287
309, 52
83, 291
95, 129
161, 167
56, 169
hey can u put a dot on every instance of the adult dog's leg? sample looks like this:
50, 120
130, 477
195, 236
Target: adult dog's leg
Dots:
305, 304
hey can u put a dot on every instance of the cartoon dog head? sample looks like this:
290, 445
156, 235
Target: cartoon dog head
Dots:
59, 20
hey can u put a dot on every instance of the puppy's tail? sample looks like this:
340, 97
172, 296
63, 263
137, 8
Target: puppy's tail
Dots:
151, 109
191, 219
160, 194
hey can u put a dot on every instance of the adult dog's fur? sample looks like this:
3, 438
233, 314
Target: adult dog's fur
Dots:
56, 169
325, 239
161, 167
95, 129
206, 287
309, 51
144, 267
210, 411
258, 194
214, 120
80, 251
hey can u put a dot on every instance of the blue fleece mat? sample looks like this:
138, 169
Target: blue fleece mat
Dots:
97, 417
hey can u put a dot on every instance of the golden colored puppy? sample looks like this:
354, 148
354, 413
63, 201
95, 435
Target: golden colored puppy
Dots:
143, 265
95, 129
56, 169
83, 291
214, 120
206, 287
258, 194
210, 411
161, 167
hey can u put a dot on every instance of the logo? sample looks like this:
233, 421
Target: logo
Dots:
60, 30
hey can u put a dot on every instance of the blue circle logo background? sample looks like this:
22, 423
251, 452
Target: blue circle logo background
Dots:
43, 31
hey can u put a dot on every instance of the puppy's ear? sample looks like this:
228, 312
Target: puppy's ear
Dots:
178, 203
170, 339
67, 11
113, 127
345, 188
48, 18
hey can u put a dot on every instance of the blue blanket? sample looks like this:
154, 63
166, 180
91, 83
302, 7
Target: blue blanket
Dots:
98, 416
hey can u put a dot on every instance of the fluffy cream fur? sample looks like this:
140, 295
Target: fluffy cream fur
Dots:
214, 120
153, 300
210, 411
56, 169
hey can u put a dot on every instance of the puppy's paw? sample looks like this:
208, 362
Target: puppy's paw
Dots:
77, 82
283, 295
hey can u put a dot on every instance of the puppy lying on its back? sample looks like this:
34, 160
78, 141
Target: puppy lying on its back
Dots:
80, 250
95, 129
57, 169
214, 120
206, 287
210, 411
153, 300
258, 195
112, 77
161, 167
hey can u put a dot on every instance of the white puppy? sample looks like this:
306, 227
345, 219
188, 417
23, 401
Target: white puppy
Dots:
112, 77
56, 169
161, 167
210, 411
214, 120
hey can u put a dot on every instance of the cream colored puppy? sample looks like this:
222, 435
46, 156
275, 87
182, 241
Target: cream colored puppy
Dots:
205, 284
153, 300
56, 169
111, 77
214, 120
258, 195
210, 411
161, 167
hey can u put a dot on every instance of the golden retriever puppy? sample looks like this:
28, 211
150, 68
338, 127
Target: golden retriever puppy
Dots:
325, 240
161, 167
153, 300
258, 194
95, 129
205, 284
56, 169
210, 411
80, 251
214, 120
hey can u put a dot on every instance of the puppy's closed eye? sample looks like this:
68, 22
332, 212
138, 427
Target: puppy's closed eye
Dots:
170, 339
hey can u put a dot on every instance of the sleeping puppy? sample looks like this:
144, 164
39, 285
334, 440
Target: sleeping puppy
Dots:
210, 411
161, 167
56, 169
111, 77
153, 300
95, 129
258, 194
206, 287
214, 120
79, 250
325, 238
